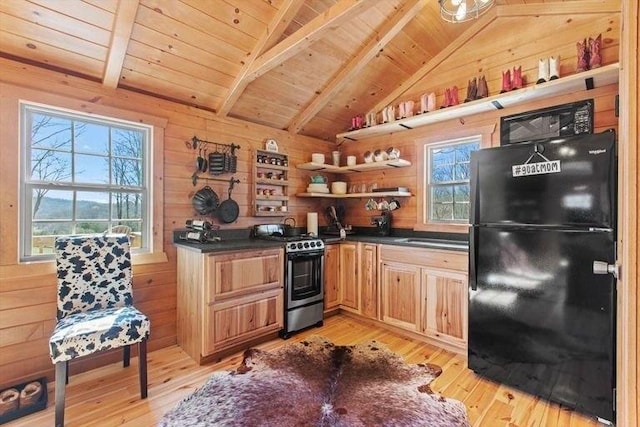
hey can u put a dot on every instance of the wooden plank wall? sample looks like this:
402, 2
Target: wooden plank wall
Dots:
27, 291
505, 43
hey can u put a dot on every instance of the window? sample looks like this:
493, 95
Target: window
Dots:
82, 174
448, 189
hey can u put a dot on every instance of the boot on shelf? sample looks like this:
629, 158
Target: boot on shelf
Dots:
583, 56
516, 82
595, 45
453, 97
483, 90
447, 97
423, 103
543, 70
554, 67
431, 102
506, 81
472, 90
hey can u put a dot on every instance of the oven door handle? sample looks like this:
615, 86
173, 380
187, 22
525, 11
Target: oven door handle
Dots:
297, 255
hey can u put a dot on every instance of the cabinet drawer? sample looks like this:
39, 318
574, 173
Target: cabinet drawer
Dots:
234, 321
450, 260
235, 274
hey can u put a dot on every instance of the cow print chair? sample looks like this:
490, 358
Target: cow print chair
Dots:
95, 306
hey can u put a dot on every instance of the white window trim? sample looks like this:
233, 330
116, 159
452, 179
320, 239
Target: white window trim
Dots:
423, 223
26, 183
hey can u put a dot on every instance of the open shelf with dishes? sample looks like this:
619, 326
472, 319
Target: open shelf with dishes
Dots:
270, 183
590, 79
362, 167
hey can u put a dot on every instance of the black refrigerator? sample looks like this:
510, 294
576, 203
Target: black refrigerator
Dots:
542, 258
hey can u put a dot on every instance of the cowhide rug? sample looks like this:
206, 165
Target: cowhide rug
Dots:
317, 383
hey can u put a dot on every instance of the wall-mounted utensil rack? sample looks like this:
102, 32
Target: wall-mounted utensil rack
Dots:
197, 143
195, 178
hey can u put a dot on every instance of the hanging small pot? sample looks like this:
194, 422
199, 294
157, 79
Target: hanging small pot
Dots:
229, 210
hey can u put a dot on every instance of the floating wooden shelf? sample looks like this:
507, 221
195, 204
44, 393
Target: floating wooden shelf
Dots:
362, 167
357, 195
597, 77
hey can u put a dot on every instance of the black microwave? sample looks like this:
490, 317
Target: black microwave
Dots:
571, 119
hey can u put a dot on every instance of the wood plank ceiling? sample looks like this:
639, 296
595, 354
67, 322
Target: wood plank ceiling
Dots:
306, 66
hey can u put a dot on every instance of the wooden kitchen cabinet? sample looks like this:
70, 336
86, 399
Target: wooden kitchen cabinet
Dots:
368, 261
425, 291
445, 295
331, 277
349, 283
227, 299
400, 295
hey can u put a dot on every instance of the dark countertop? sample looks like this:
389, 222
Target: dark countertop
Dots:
242, 241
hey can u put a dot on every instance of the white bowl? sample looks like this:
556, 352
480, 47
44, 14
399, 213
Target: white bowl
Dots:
339, 187
317, 158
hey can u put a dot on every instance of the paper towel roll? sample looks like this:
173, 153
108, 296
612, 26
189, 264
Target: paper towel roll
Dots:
312, 223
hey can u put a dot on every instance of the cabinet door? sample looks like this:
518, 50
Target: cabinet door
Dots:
349, 295
368, 279
400, 286
331, 277
235, 274
445, 305
234, 321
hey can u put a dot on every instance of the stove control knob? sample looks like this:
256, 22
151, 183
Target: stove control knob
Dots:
300, 245
292, 246
306, 244
313, 244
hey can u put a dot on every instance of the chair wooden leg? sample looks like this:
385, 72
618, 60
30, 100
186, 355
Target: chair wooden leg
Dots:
61, 384
66, 376
126, 356
142, 365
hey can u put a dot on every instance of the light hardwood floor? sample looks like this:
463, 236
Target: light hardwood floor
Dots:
110, 396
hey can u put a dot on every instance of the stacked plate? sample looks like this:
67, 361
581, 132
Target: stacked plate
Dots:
317, 188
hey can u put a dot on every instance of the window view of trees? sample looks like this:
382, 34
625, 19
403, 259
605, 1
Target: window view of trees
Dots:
449, 181
84, 177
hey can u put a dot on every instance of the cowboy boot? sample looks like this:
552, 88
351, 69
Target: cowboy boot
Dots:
595, 60
506, 81
453, 98
554, 67
431, 102
472, 90
447, 95
583, 56
543, 70
483, 90
385, 115
516, 83
423, 103
401, 111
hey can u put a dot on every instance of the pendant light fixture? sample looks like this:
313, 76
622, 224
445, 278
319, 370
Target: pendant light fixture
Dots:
463, 10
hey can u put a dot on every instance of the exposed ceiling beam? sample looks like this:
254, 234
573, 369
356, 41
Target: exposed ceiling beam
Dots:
122, 27
384, 35
274, 30
533, 9
332, 18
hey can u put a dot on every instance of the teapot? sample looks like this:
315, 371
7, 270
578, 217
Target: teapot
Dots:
319, 179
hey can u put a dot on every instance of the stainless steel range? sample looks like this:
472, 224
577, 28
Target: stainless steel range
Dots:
304, 277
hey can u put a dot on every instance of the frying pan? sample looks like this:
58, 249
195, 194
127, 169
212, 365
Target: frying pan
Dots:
228, 210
